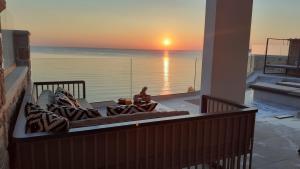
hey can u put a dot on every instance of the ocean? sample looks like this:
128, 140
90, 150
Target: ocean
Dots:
115, 73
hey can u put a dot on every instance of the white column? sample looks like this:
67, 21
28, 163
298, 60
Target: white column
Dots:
226, 45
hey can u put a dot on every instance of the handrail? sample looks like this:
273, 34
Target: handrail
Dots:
280, 38
212, 104
220, 140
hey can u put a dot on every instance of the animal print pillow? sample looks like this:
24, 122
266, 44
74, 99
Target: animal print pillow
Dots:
69, 95
72, 113
63, 100
39, 120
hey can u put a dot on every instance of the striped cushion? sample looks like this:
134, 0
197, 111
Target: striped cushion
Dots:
122, 109
148, 107
31, 108
39, 120
72, 113
69, 95
63, 100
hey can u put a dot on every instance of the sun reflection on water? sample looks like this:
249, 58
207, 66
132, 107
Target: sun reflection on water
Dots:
166, 62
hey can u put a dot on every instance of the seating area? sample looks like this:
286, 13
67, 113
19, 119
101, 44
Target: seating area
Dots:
163, 138
47, 97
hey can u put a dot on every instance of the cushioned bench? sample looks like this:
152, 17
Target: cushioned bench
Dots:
275, 93
290, 84
294, 67
276, 88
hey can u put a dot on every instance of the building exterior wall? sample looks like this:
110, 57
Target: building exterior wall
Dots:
8, 53
3, 153
12, 95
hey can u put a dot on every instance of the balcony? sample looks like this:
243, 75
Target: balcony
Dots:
167, 142
209, 127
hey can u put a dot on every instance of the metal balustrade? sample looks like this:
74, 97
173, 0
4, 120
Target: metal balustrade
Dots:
77, 88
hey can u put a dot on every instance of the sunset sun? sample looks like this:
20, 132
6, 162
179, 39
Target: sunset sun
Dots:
167, 42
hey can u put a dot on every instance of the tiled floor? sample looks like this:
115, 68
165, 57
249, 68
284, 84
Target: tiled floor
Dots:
276, 141
275, 145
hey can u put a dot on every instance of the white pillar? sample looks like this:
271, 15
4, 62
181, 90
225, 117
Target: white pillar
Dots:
226, 45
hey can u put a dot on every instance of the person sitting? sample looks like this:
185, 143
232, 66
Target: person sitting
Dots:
143, 97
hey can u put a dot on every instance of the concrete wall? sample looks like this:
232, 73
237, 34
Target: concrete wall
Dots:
8, 53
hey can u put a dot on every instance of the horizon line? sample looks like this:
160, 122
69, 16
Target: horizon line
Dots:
83, 47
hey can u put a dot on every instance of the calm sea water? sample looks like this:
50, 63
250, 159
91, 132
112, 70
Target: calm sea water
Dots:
108, 72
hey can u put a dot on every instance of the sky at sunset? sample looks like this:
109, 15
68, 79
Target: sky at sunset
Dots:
142, 24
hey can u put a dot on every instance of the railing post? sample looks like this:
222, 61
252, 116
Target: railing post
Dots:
131, 78
83, 88
266, 55
195, 73
204, 104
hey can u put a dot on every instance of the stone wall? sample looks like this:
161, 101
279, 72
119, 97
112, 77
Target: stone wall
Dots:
8, 113
12, 94
3, 153
1, 78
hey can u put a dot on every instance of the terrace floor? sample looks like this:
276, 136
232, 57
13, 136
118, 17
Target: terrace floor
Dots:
276, 141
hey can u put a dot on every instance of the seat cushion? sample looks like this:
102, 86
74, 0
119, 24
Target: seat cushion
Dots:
84, 104
46, 97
